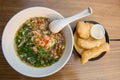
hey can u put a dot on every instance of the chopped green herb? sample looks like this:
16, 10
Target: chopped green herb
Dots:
35, 43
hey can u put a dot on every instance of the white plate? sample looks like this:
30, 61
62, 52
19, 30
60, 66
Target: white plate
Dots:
8, 42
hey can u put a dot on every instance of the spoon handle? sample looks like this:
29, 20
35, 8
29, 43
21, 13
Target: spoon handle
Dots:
82, 14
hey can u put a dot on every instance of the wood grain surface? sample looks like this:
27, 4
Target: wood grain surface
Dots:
107, 12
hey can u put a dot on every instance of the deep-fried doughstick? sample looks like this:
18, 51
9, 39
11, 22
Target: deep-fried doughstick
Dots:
90, 43
78, 48
88, 54
83, 29
90, 24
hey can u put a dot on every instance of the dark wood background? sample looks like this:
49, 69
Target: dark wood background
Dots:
106, 12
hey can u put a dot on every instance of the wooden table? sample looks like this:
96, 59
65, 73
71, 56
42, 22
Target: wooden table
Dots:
106, 12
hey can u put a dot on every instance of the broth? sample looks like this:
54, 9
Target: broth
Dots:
36, 45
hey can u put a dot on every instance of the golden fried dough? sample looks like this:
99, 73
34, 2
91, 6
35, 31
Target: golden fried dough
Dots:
90, 24
90, 43
87, 46
83, 29
78, 48
91, 53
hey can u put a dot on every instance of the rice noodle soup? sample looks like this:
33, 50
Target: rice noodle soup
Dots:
36, 45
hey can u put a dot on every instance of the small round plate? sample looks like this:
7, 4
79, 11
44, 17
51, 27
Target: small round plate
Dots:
103, 53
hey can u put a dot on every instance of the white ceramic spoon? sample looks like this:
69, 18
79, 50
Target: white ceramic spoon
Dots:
56, 25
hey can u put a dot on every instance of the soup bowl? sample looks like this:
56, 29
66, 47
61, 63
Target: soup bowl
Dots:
8, 42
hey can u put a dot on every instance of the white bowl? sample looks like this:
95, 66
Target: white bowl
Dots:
8, 42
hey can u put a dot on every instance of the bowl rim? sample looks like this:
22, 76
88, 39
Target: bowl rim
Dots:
3, 46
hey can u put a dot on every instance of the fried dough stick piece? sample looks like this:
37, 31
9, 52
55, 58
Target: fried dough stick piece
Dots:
78, 48
90, 43
88, 54
83, 29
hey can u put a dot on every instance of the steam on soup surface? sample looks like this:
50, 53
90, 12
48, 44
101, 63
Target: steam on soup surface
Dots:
36, 45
